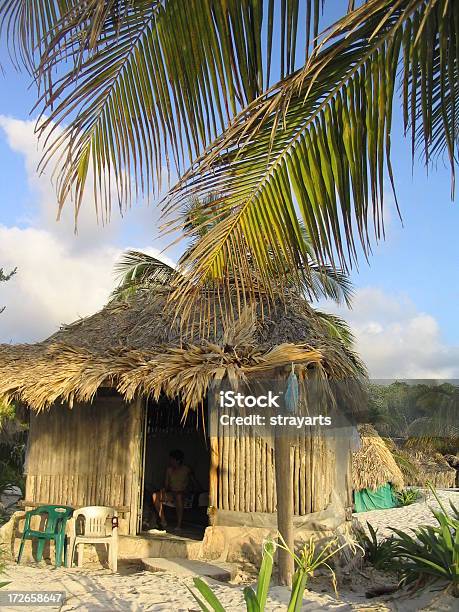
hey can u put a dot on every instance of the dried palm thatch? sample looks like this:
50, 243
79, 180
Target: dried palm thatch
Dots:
430, 467
138, 347
373, 464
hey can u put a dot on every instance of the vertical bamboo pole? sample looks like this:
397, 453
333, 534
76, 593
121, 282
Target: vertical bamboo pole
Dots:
231, 472
213, 476
253, 472
296, 480
237, 471
242, 481
225, 473
220, 471
247, 472
264, 475
269, 478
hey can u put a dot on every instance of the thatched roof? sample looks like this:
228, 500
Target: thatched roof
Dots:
138, 347
430, 467
373, 464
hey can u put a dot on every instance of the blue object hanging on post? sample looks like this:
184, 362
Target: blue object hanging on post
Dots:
292, 392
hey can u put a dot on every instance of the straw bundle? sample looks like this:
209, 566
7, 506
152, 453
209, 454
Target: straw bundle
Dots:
373, 464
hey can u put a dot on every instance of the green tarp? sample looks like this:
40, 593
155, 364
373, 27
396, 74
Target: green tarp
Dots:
366, 499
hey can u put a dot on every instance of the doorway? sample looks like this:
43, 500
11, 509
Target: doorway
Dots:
165, 431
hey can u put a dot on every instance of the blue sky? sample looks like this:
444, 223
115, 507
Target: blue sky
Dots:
406, 298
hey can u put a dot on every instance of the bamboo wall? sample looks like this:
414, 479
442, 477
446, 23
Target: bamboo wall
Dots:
87, 455
245, 479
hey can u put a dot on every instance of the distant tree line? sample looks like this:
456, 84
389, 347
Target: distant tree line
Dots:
426, 412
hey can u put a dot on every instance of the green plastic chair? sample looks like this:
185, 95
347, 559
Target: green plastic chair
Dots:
54, 529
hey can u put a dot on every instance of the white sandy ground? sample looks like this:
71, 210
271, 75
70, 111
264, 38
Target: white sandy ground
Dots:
408, 517
98, 589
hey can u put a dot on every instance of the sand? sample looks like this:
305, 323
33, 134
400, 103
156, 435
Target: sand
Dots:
408, 517
133, 589
93, 588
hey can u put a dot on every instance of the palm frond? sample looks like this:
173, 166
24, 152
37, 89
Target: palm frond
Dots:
137, 270
337, 328
316, 147
136, 83
28, 27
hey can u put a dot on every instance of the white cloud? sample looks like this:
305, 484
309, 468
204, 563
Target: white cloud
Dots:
396, 340
52, 286
60, 277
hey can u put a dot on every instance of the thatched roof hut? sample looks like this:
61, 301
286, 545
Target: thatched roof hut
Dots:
117, 368
430, 467
373, 464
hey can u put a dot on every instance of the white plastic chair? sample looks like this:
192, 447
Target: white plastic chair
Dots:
94, 530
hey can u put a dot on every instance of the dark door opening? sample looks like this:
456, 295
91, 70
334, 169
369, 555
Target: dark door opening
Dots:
165, 431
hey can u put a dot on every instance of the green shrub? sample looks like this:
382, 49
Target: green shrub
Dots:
431, 554
308, 560
379, 553
406, 497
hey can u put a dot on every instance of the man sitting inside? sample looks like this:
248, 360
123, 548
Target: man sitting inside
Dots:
178, 481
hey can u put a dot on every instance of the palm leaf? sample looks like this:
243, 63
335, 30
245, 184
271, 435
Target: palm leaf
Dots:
336, 328
315, 148
137, 270
134, 83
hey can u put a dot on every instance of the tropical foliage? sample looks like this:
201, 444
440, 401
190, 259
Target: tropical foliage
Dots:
142, 84
378, 552
406, 497
140, 271
425, 414
307, 562
431, 553
137, 85
316, 146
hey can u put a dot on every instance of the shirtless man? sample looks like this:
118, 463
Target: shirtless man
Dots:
178, 481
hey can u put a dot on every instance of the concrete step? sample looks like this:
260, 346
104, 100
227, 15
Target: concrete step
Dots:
168, 546
190, 567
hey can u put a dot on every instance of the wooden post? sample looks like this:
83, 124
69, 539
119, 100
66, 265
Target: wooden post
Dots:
284, 487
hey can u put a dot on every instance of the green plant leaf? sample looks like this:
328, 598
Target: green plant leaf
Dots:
208, 595
264, 576
251, 600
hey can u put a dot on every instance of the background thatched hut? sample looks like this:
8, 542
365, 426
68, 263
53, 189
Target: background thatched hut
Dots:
95, 389
375, 473
429, 467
